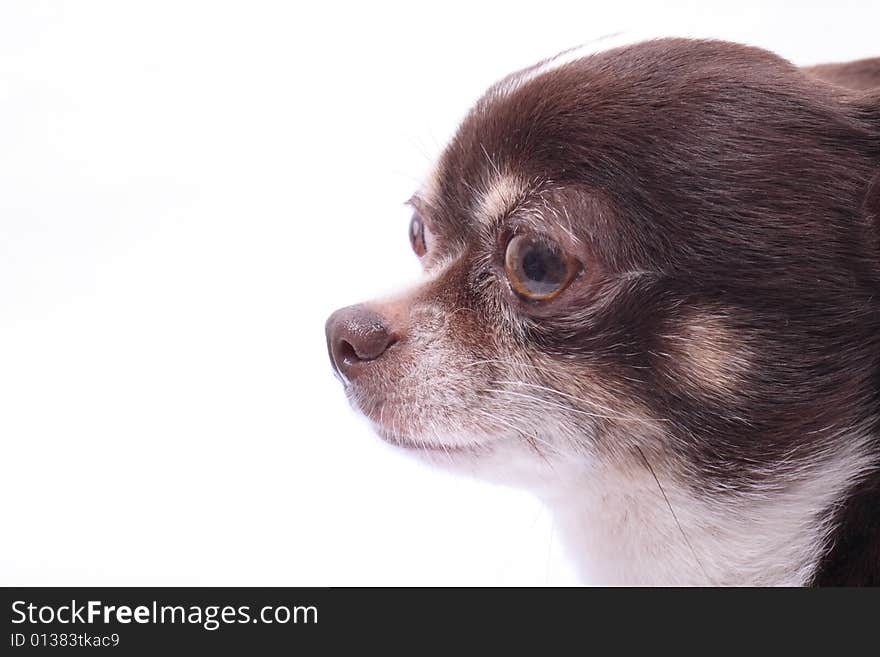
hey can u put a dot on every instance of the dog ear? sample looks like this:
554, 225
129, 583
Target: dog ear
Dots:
862, 74
868, 108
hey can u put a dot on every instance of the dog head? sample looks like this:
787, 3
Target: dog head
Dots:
664, 254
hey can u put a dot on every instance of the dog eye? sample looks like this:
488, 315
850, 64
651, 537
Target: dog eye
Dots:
419, 235
537, 271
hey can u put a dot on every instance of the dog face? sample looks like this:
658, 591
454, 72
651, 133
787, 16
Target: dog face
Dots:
661, 256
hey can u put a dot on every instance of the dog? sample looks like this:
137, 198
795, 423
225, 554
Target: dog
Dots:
652, 297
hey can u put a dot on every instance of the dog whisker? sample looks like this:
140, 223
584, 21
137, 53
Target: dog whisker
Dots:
543, 401
582, 400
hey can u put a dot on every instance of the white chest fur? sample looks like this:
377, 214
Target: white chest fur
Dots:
620, 529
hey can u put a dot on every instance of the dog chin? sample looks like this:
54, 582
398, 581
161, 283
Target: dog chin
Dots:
501, 458
498, 460
407, 436
418, 445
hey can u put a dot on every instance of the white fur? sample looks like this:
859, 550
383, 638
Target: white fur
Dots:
620, 530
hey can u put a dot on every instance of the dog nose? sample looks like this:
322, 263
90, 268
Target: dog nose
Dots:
356, 335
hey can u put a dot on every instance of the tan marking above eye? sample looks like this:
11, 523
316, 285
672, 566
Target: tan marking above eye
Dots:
500, 196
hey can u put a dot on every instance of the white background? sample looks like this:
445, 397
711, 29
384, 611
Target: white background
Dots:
187, 190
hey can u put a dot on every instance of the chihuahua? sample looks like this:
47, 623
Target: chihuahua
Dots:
652, 297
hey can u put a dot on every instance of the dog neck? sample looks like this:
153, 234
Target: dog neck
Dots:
642, 526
